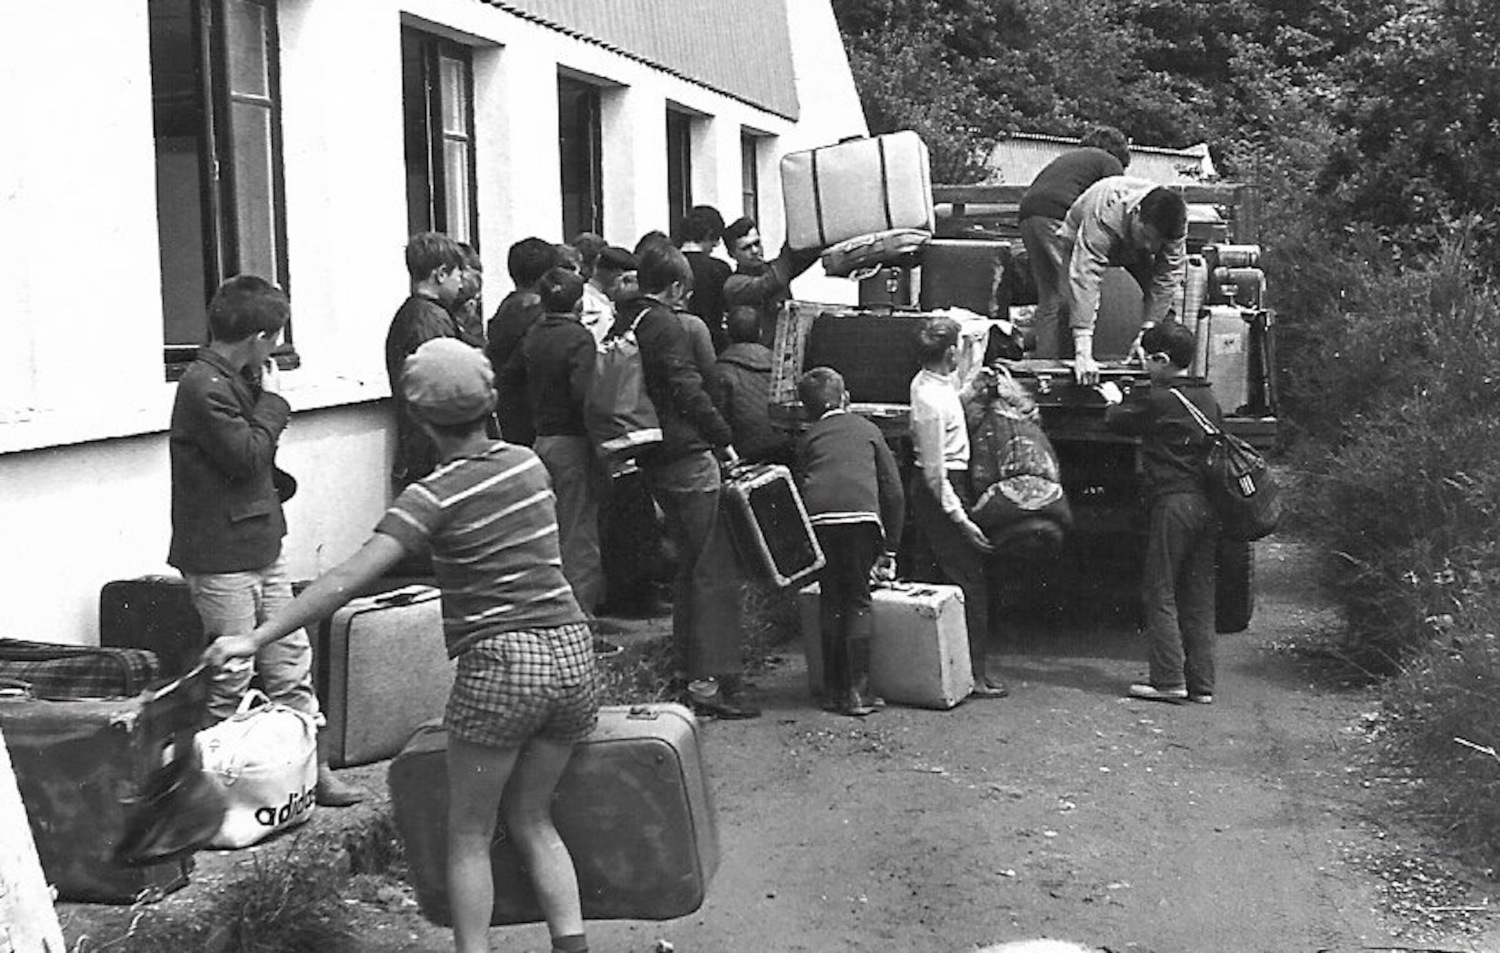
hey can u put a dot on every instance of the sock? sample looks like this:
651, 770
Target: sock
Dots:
572, 943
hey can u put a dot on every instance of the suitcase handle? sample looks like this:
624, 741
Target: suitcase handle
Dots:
642, 713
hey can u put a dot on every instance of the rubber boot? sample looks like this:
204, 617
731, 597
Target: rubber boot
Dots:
330, 791
862, 701
835, 671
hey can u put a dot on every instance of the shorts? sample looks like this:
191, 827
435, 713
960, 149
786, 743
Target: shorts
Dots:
531, 683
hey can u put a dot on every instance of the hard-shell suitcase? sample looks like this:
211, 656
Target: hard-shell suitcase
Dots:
770, 524
877, 354
381, 670
965, 273
855, 188
919, 651
156, 613
81, 765
77, 671
633, 806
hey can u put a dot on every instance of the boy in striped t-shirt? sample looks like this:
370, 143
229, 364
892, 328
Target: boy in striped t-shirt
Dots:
526, 689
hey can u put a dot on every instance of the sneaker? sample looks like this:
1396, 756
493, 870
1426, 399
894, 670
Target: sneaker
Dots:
1173, 696
1201, 699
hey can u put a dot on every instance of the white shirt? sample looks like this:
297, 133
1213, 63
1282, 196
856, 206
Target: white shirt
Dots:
939, 434
598, 313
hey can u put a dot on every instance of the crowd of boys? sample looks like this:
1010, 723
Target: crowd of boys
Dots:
499, 490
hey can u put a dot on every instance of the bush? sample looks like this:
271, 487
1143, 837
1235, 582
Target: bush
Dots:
1407, 485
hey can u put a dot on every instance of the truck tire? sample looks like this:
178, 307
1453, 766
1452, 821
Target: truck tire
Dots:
1234, 594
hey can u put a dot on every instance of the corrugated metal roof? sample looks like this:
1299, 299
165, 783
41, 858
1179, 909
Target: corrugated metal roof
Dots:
742, 49
1017, 160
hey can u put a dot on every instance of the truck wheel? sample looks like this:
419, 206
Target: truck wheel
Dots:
1234, 594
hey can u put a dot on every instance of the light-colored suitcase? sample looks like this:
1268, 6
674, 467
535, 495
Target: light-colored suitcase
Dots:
633, 806
382, 670
1224, 348
919, 653
856, 188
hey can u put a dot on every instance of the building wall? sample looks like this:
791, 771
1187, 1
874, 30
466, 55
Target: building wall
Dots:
83, 400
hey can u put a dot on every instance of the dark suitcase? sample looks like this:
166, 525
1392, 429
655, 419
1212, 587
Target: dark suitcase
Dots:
968, 274
633, 807
156, 613
876, 353
56, 671
381, 669
769, 523
80, 767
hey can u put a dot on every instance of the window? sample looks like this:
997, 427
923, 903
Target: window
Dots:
217, 124
437, 86
750, 174
578, 140
679, 165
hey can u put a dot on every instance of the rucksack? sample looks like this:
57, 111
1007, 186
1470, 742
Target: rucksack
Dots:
1240, 484
617, 413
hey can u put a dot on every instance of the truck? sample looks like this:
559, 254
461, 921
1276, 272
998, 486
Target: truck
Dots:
1223, 296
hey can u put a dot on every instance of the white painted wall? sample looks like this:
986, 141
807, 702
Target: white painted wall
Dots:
84, 489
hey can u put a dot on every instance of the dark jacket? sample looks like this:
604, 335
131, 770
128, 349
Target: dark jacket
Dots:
416, 322
512, 319
740, 385
848, 475
550, 372
226, 516
707, 302
1172, 443
1062, 180
689, 421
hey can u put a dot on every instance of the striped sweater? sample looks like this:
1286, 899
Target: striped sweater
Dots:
491, 522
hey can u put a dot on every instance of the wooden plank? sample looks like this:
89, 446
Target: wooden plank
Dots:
28, 922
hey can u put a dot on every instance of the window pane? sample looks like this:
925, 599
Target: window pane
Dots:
750, 175
247, 31
456, 188
579, 151
414, 106
454, 83
679, 166
254, 206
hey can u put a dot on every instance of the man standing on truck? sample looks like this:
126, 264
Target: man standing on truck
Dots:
1127, 222
1104, 151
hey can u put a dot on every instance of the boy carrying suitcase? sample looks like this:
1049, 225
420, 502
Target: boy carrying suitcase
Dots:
526, 689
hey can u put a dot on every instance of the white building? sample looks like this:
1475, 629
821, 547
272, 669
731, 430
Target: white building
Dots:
156, 147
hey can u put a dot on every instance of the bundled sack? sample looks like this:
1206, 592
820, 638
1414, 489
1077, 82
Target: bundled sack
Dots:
864, 255
1243, 492
617, 412
1019, 503
265, 757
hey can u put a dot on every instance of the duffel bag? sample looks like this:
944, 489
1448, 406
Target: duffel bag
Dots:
1014, 469
1240, 485
265, 757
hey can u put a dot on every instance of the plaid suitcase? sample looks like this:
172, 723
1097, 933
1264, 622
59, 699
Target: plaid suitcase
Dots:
769, 523
633, 806
81, 766
76, 671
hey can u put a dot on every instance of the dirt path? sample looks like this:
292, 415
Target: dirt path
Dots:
1064, 811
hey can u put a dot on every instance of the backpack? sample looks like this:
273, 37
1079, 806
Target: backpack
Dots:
1240, 484
617, 412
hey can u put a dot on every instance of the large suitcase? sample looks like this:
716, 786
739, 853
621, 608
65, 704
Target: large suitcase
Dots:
76, 671
877, 354
81, 765
855, 188
155, 613
381, 670
968, 274
919, 651
633, 806
769, 523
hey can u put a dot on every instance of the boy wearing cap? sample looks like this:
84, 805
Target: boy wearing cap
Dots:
598, 314
227, 521
526, 688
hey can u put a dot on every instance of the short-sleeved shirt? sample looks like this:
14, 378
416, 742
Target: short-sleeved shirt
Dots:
491, 522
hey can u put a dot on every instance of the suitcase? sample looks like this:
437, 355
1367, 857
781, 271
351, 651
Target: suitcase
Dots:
919, 652
856, 187
381, 670
966, 274
1224, 354
76, 671
891, 287
876, 353
769, 523
633, 806
80, 765
156, 613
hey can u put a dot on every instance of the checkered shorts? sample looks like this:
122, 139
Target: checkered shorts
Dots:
514, 686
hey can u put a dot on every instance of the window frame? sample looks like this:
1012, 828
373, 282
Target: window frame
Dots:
591, 117
750, 145
433, 50
679, 164
218, 174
